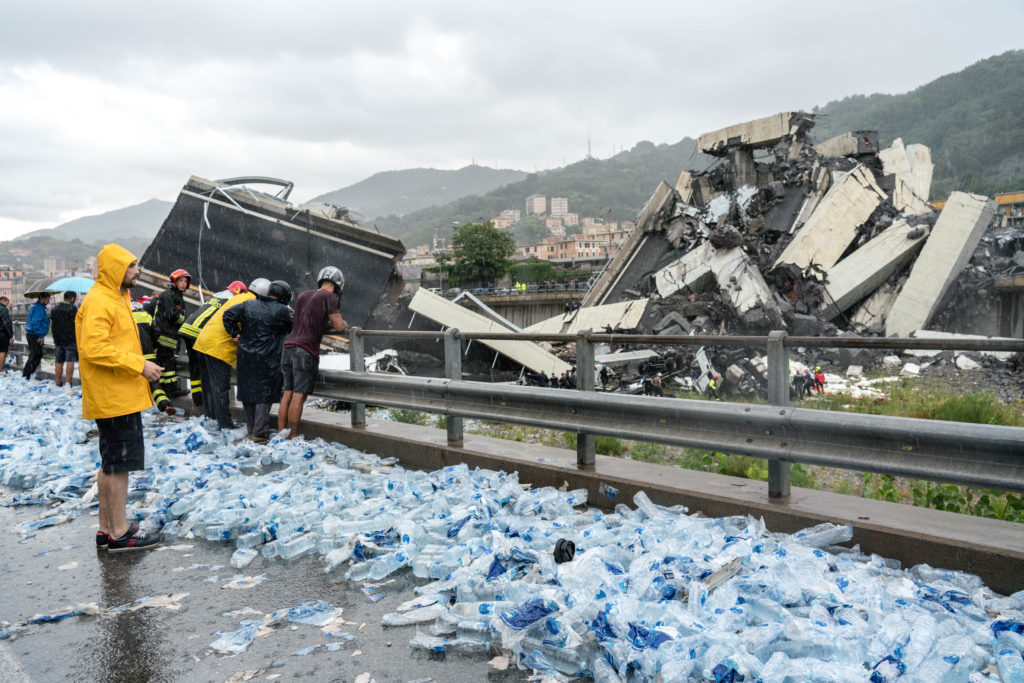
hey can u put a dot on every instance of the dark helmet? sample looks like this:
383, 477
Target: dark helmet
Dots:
331, 274
280, 290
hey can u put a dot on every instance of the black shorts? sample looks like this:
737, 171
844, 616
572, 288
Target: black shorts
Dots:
299, 368
5, 345
121, 446
66, 354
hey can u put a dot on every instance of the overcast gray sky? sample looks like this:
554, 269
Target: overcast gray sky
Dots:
107, 103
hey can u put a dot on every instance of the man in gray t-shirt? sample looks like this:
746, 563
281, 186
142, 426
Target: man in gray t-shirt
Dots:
314, 309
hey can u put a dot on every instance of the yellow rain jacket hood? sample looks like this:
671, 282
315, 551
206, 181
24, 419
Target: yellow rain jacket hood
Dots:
214, 339
109, 352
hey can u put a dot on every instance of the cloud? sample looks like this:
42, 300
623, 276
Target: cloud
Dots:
113, 102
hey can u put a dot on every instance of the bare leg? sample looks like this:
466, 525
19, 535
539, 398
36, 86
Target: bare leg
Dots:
295, 413
3, 360
282, 410
58, 373
113, 494
69, 372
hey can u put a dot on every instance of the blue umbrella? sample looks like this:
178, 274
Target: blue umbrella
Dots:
71, 284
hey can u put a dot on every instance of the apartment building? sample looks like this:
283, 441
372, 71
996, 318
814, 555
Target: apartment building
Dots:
513, 215
536, 204
559, 206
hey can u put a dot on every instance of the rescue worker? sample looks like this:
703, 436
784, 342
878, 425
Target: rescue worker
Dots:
144, 323
193, 325
168, 316
36, 328
819, 379
603, 375
713, 387
260, 326
217, 354
656, 385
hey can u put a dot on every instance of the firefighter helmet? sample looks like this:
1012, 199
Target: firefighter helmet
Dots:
179, 273
237, 287
259, 286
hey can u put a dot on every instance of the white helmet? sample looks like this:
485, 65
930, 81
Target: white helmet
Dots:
331, 274
260, 285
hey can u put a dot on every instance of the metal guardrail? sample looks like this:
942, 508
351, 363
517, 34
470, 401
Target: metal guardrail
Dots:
959, 453
987, 456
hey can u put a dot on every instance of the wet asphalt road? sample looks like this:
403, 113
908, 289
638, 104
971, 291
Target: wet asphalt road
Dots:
60, 566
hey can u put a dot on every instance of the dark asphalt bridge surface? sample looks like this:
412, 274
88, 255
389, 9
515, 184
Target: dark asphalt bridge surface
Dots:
59, 567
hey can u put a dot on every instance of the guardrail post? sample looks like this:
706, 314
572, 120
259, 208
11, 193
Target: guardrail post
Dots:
357, 364
778, 395
585, 443
453, 370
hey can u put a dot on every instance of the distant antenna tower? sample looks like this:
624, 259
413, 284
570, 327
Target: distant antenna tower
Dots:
589, 155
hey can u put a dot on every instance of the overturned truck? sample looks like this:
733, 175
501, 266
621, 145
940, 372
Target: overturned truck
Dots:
224, 230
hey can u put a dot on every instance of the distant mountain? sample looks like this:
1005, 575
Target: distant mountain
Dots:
135, 221
972, 120
611, 189
401, 192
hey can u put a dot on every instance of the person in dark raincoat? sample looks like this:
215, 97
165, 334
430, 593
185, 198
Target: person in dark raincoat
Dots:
260, 325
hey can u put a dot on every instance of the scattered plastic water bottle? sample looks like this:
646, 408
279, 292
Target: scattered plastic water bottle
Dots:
242, 557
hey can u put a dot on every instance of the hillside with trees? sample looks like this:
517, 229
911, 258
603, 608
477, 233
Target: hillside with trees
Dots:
972, 120
611, 189
401, 192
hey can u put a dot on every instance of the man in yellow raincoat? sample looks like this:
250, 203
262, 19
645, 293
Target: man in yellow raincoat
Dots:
115, 391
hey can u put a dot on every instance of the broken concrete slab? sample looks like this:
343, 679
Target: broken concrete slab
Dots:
736, 275
763, 132
913, 168
871, 314
891, 362
965, 363
949, 247
855, 371
910, 370
905, 199
621, 316
684, 186
849, 144
936, 334
863, 271
850, 201
449, 314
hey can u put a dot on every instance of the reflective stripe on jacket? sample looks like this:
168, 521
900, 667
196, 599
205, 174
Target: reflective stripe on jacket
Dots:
214, 340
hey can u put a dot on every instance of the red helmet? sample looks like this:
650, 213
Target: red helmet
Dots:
180, 272
143, 299
237, 287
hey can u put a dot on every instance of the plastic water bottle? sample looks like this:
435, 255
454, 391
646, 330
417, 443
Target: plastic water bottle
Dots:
1011, 665
242, 557
297, 545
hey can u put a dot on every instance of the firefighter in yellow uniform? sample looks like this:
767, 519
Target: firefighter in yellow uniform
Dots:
193, 325
144, 321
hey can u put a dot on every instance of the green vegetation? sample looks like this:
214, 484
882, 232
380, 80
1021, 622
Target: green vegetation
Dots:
480, 253
411, 189
969, 120
412, 417
540, 271
612, 189
609, 445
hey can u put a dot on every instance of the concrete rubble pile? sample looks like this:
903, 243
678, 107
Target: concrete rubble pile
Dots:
830, 239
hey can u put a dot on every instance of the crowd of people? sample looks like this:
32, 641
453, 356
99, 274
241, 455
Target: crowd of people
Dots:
127, 351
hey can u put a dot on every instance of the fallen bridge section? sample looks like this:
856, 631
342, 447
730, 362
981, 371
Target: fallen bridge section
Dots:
948, 249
